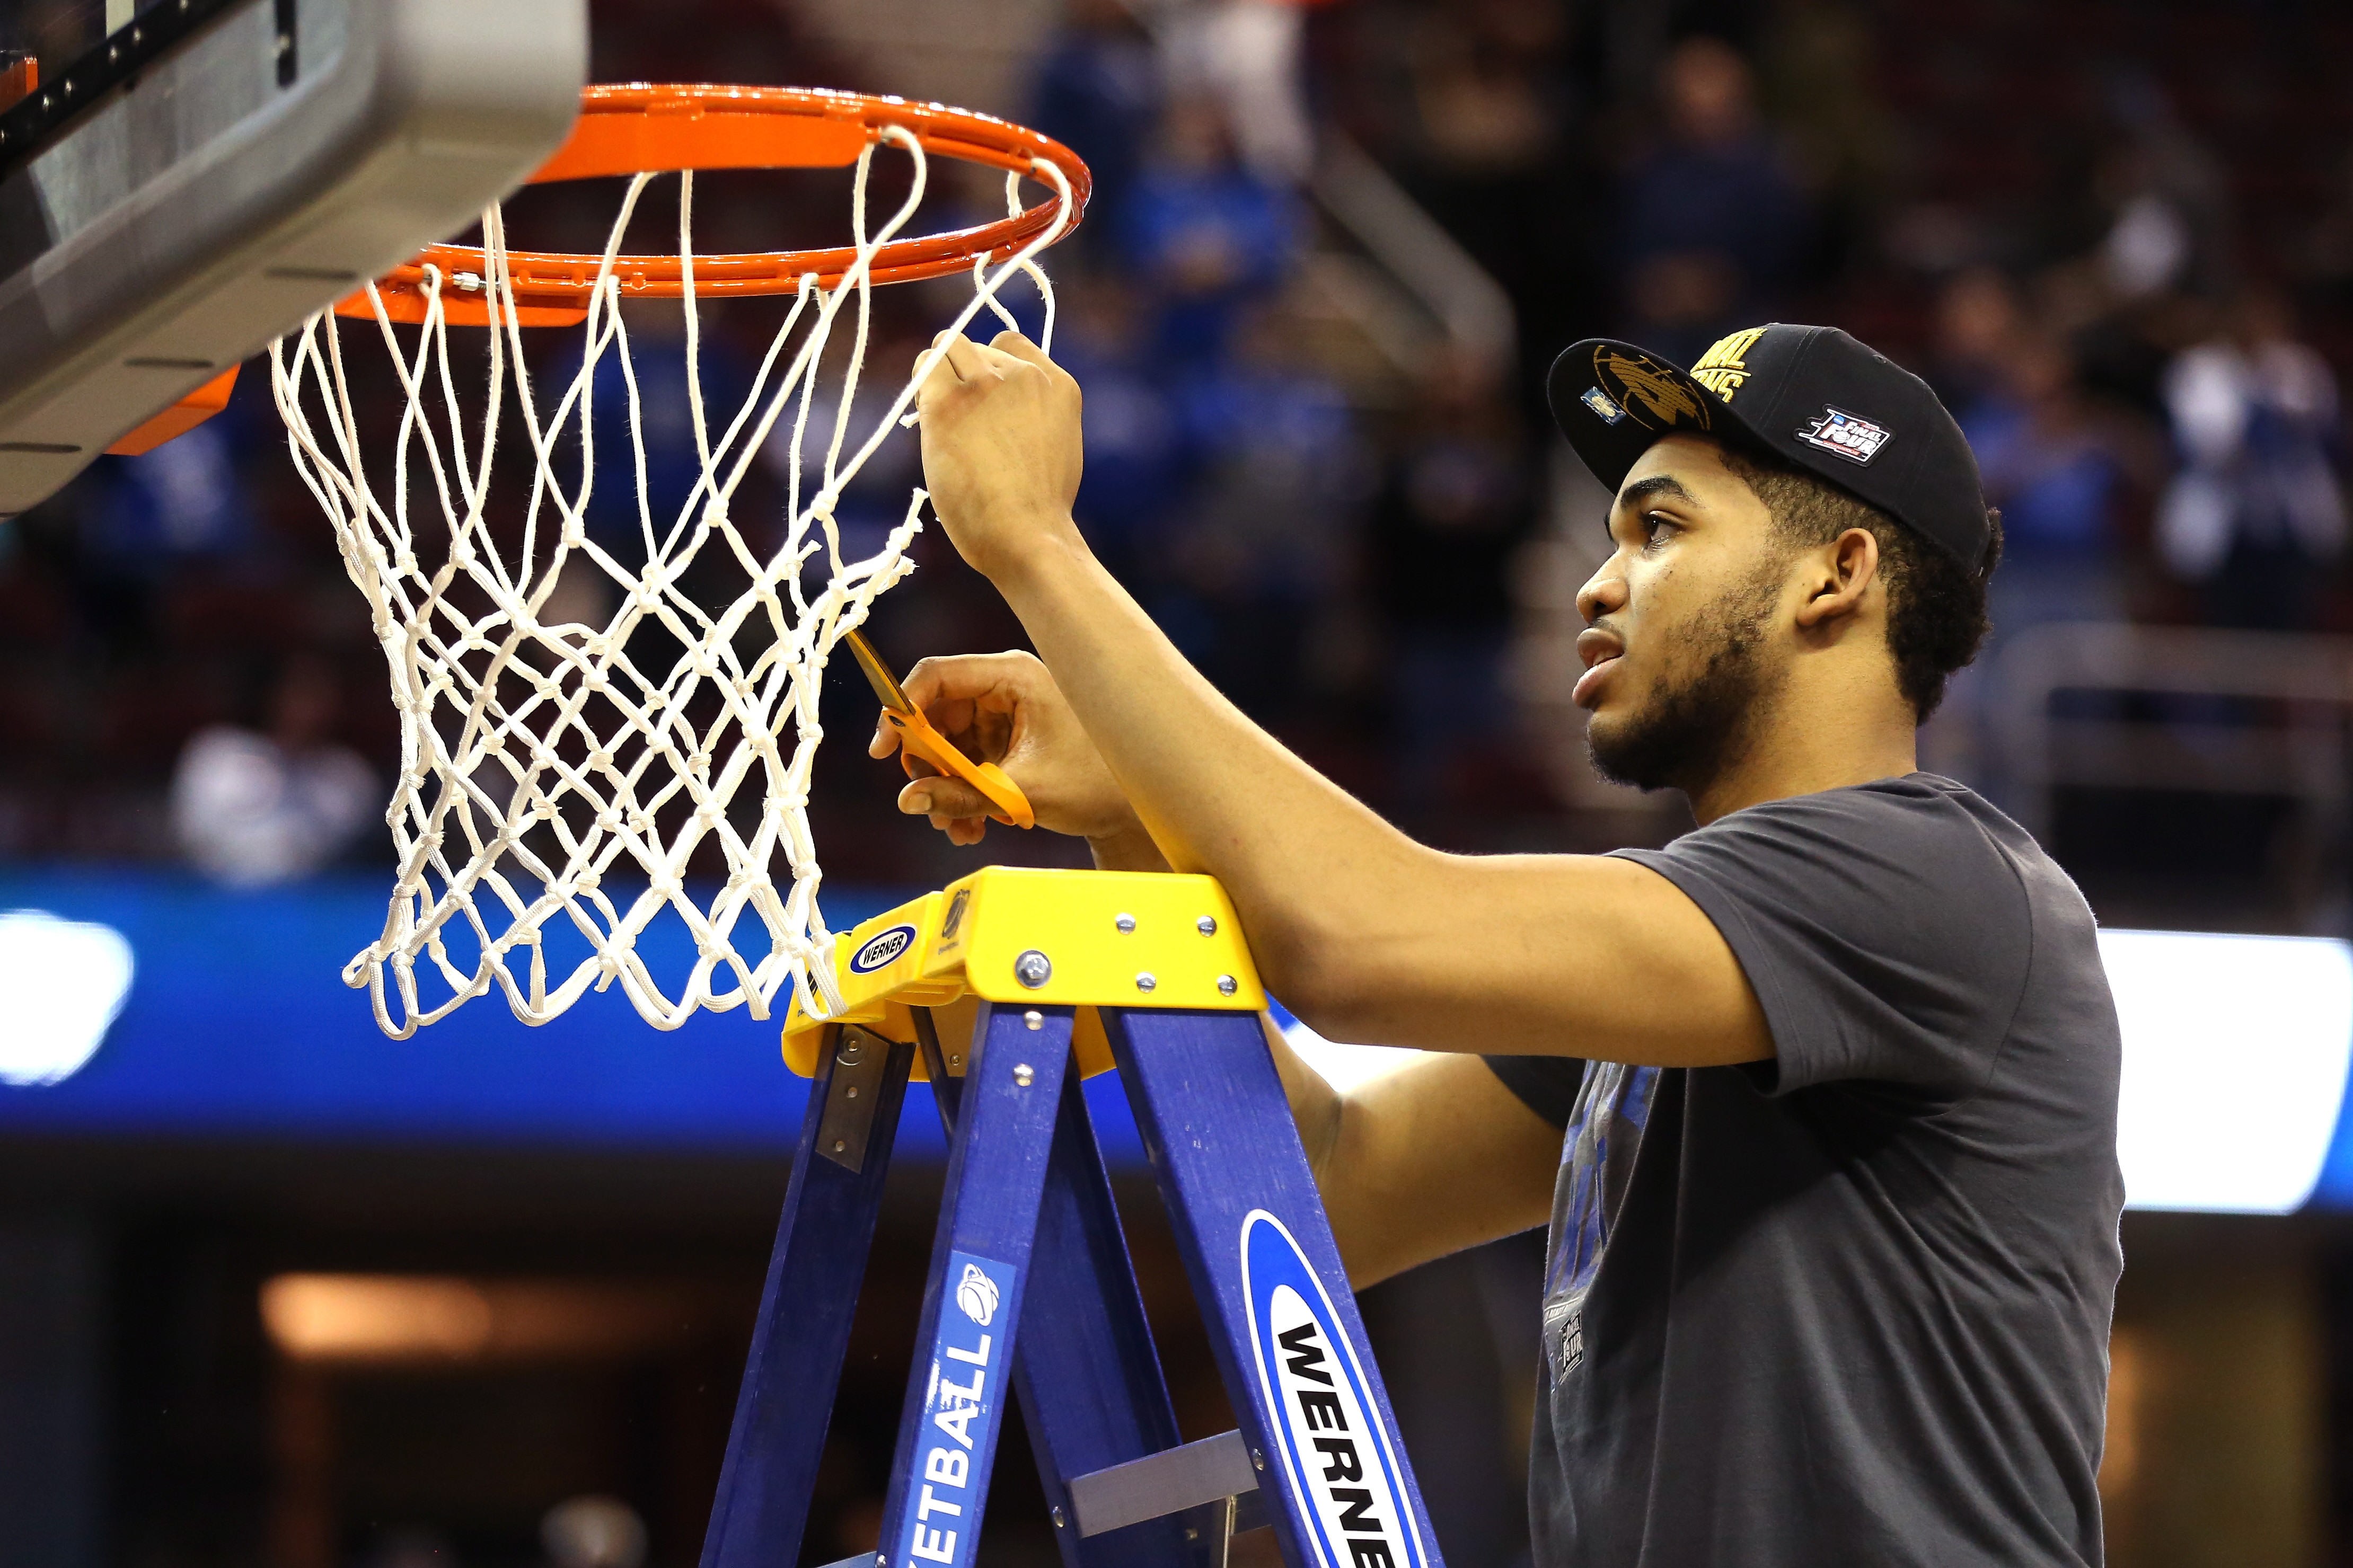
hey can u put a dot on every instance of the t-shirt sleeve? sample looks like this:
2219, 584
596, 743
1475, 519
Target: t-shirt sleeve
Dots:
1545, 1085
1884, 933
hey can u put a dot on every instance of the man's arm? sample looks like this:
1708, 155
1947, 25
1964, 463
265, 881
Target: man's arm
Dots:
1428, 1161
1364, 933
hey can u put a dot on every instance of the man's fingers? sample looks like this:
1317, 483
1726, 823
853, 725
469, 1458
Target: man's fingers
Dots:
1009, 341
885, 740
970, 361
960, 356
960, 363
943, 799
963, 675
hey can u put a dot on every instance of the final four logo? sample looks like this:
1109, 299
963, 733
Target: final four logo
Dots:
1338, 1460
1851, 435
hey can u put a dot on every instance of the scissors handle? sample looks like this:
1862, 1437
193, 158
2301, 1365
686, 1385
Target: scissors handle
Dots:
916, 735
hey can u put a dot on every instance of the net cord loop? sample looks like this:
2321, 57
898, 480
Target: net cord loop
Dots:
537, 760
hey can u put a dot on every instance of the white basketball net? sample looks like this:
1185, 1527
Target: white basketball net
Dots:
545, 777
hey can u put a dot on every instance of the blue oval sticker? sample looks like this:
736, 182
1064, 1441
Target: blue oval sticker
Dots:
882, 948
1346, 1481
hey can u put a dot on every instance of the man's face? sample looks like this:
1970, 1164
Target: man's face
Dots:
1680, 650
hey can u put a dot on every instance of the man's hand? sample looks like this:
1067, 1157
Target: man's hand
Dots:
1001, 448
1004, 707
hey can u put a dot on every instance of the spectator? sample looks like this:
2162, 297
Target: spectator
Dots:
255, 808
1457, 499
1480, 101
1712, 221
2055, 474
2168, 197
874, 500
1251, 574
1978, 325
619, 514
1136, 467
2257, 506
1099, 94
1204, 234
1245, 54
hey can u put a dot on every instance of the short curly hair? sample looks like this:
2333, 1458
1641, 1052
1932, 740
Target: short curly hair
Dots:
1936, 618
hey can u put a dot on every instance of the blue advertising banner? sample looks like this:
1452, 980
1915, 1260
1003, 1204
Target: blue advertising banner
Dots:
138, 1003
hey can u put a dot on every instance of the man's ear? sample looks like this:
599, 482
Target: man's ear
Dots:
1840, 576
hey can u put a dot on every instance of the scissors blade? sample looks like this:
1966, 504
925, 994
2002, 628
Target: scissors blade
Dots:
878, 674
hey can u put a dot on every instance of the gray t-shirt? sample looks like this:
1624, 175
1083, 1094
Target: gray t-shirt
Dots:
1850, 1306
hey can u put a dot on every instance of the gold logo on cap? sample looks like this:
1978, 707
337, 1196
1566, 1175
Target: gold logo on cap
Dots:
1722, 368
1655, 393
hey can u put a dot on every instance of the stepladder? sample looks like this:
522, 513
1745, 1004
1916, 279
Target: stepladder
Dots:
1003, 992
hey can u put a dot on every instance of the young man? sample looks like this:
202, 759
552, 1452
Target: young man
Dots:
1834, 1222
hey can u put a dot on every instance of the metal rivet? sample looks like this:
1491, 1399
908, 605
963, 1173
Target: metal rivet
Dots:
1144, 982
1207, 925
849, 1093
1057, 1517
1033, 969
851, 1052
1024, 1075
1258, 1460
838, 1145
1126, 924
1227, 985
955, 1059
1033, 1021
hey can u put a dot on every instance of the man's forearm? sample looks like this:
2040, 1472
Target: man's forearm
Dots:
1216, 792
1435, 1158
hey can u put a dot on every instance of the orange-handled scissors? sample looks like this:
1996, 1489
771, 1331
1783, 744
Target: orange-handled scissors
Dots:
916, 735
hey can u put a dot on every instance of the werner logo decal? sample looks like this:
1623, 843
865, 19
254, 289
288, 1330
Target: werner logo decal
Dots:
882, 948
962, 1403
1338, 1461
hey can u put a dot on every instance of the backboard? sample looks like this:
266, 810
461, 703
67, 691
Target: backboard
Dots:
184, 180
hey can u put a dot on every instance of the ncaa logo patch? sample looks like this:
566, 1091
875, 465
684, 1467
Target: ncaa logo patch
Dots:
882, 948
1338, 1458
1598, 401
1851, 435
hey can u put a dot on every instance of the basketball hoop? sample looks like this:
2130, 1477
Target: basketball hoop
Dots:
552, 781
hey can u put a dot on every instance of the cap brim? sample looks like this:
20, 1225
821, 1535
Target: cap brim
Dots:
1613, 401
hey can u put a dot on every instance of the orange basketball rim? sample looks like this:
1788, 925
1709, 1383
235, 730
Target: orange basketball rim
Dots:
635, 128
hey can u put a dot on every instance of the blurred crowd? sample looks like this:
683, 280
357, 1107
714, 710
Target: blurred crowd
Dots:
2130, 274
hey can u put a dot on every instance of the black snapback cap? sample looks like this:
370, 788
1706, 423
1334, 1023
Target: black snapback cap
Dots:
1812, 397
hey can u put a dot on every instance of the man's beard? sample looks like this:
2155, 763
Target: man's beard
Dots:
1690, 731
